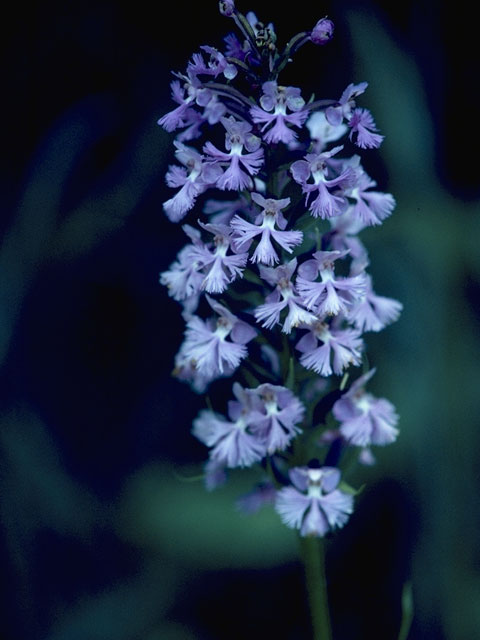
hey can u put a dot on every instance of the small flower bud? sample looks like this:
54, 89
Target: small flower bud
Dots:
322, 32
226, 8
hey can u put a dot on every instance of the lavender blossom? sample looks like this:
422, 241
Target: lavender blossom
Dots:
220, 269
343, 110
283, 297
332, 294
232, 443
371, 207
199, 178
316, 166
339, 349
314, 505
264, 226
183, 278
374, 313
181, 115
206, 342
364, 419
279, 99
277, 421
363, 128
237, 137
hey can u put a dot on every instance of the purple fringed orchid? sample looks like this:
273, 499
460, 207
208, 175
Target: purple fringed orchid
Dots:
201, 266
313, 503
239, 166
361, 122
364, 130
278, 99
264, 226
277, 421
344, 238
283, 297
217, 64
316, 166
206, 343
338, 349
183, 278
181, 115
187, 94
374, 313
200, 176
371, 207
343, 109
364, 419
219, 268
233, 442
332, 294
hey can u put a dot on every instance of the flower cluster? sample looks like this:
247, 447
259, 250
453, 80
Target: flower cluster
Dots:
273, 279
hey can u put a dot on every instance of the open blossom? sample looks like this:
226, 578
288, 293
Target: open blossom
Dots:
364, 130
338, 349
181, 115
217, 64
264, 226
206, 342
280, 413
364, 419
219, 269
343, 109
332, 294
371, 207
329, 200
188, 94
199, 177
183, 278
283, 297
278, 99
372, 312
232, 441
240, 166
201, 266
312, 503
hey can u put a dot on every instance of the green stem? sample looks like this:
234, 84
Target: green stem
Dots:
313, 556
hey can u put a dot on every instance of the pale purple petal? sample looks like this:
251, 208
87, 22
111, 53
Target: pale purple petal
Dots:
315, 521
291, 505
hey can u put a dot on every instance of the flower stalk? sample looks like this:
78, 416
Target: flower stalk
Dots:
312, 552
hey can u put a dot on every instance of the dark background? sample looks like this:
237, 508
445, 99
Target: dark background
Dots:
101, 534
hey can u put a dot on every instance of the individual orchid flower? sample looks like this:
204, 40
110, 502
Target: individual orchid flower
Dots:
264, 227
